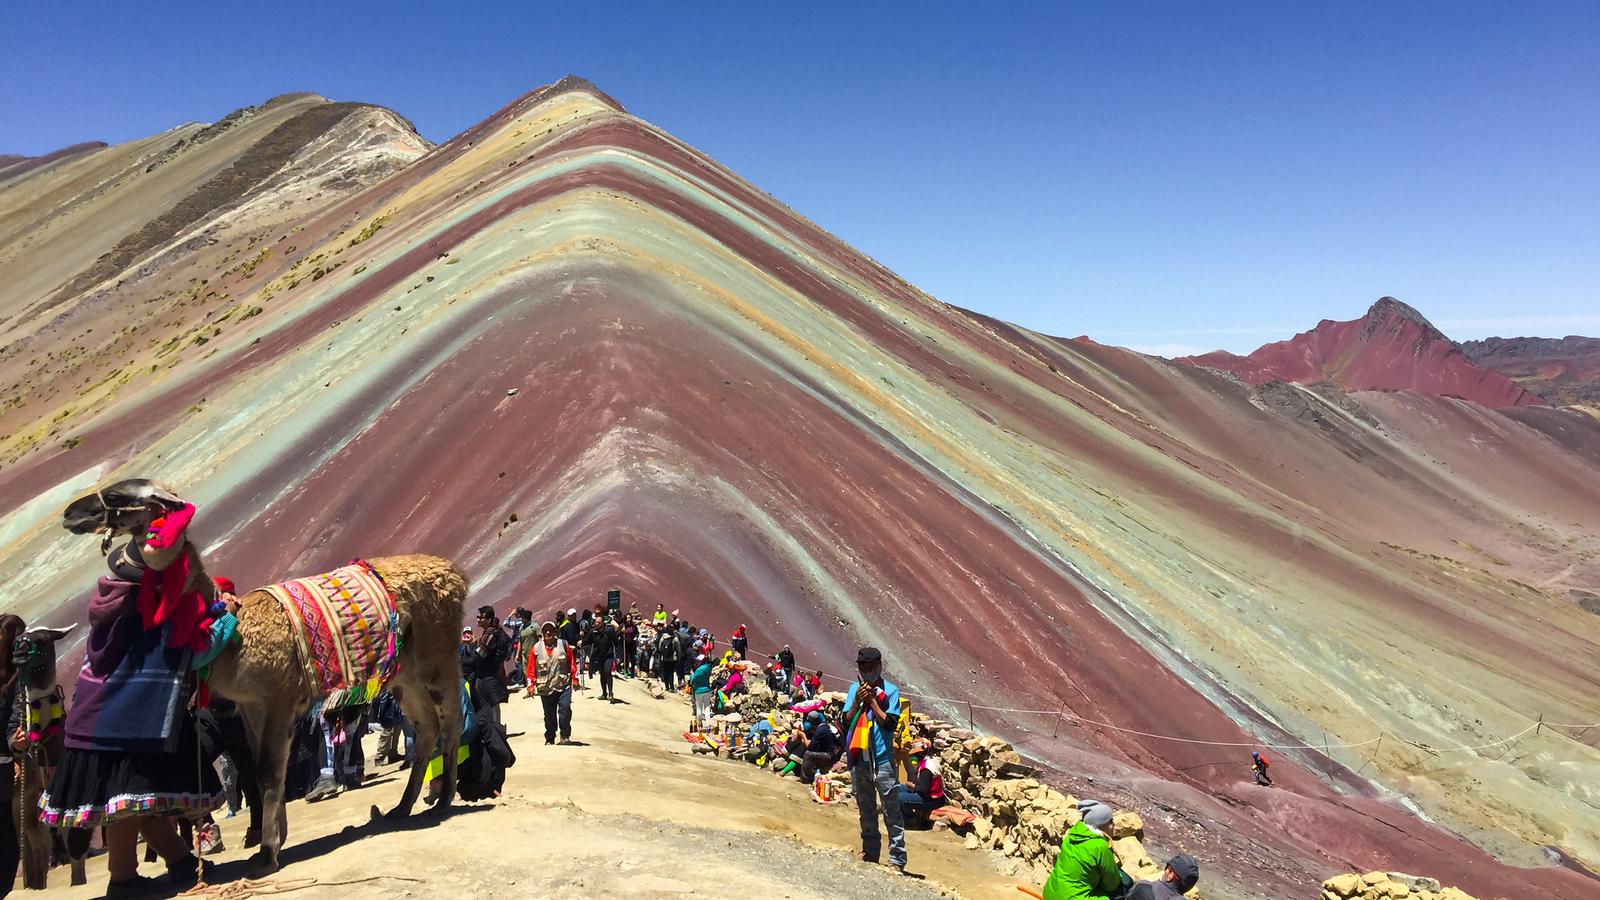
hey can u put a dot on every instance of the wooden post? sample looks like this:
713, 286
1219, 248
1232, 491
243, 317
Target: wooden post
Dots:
970, 726
1327, 756
1539, 727
1055, 729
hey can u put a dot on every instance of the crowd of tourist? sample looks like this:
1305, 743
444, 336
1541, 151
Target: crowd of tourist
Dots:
865, 731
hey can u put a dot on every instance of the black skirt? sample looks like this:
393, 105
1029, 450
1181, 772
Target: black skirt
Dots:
93, 787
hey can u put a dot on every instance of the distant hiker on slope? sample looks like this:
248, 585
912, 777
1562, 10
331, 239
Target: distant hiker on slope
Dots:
552, 668
1181, 875
1258, 764
1086, 868
871, 716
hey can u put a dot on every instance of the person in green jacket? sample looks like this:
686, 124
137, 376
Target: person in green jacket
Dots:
1086, 868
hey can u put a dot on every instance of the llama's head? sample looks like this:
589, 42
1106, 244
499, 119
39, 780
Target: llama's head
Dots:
34, 656
124, 508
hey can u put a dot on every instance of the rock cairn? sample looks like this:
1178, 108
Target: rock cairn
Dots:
1384, 885
1015, 814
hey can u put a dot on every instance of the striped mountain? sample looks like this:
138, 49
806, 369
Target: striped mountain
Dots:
573, 353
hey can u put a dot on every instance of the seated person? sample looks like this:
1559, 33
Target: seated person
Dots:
1086, 868
926, 792
1182, 874
824, 746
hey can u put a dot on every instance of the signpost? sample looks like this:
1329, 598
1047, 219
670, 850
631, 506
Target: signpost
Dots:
613, 603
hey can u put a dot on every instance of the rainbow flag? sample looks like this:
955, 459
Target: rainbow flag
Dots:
860, 743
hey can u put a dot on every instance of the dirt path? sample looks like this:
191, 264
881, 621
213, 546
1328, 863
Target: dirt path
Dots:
628, 811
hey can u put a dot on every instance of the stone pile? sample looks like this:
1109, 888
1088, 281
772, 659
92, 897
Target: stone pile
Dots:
1385, 885
1016, 814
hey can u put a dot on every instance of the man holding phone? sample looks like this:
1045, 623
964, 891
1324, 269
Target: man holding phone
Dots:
872, 710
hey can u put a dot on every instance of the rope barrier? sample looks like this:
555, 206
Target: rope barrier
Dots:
1063, 714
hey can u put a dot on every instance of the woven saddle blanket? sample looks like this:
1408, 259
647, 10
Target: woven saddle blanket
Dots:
346, 629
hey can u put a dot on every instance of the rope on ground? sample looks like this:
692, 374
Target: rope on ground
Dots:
1067, 716
238, 890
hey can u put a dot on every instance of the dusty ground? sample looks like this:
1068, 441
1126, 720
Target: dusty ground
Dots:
628, 811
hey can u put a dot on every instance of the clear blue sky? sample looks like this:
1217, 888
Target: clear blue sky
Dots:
1164, 175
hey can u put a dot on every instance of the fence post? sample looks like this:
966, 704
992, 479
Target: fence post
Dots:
1056, 728
970, 726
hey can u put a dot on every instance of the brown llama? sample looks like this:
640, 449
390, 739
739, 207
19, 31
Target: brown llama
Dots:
262, 671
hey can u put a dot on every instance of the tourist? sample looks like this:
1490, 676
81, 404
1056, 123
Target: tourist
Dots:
514, 626
686, 652
871, 712
342, 762
16, 741
585, 642
700, 680
628, 659
667, 650
925, 792
603, 654
136, 680
823, 747
552, 668
1086, 869
741, 641
569, 627
1258, 764
785, 658
1180, 876
488, 656
659, 617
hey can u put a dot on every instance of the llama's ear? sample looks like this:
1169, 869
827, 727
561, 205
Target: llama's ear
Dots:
165, 497
53, 634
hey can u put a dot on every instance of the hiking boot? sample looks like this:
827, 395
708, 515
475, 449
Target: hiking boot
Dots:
324, 788
211, 839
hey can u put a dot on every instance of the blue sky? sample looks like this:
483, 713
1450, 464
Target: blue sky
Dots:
1173, 176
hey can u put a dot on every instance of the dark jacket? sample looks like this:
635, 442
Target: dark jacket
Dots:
825, 739
603, 643
667, 649
487, 659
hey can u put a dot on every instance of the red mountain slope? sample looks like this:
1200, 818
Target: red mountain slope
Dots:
1391, 348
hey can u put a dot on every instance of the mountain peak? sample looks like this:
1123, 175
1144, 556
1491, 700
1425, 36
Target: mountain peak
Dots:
1391, 348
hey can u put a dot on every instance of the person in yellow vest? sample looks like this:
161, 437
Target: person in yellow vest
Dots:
903, 758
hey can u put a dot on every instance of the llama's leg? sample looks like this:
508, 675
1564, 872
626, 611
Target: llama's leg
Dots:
77, 849
449, 713
423, 713
272, 762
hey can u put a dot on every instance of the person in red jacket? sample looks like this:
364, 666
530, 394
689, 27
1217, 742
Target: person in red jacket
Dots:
552, 670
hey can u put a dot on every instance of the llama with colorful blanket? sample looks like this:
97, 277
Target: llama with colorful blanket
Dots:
332, 637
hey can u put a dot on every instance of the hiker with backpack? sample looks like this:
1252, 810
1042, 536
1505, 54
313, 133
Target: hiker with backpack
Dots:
1258, 764
667, 657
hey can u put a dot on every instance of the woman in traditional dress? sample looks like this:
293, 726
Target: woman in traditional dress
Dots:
132, 760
